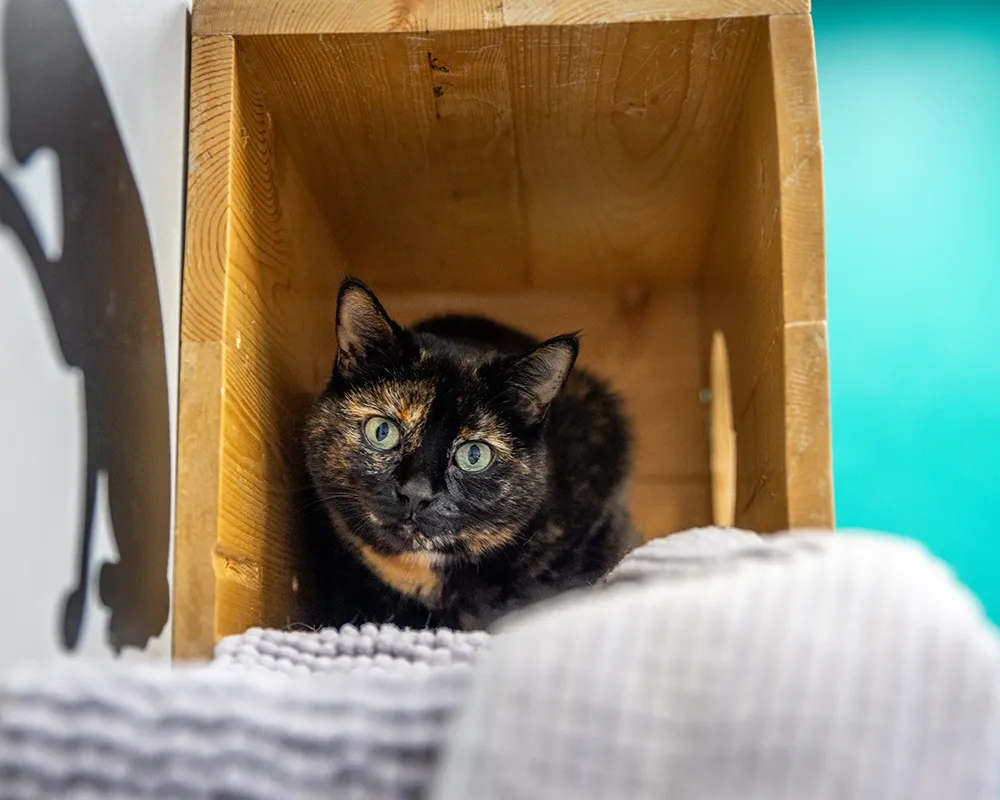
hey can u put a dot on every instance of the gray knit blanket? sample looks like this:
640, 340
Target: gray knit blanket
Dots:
711, 664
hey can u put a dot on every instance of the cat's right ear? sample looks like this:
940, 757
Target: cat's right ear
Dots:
364, 331
536, 378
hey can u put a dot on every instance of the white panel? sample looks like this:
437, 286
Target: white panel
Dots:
140, 51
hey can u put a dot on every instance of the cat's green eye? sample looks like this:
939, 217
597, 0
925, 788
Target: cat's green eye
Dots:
473, 456
382, 433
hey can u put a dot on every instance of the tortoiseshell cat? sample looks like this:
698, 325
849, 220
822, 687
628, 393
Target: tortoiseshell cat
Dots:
467, 470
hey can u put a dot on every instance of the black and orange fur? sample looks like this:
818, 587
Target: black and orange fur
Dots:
548, 514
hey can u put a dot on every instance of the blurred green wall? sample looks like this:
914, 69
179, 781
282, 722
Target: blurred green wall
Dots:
910, 103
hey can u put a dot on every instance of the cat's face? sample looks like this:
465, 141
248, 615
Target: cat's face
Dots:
419, 445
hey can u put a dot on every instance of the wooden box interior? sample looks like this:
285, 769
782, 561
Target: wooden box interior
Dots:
647, 182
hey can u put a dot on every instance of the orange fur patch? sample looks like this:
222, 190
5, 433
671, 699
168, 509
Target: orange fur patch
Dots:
486, 428
481, 542
407, 402
411, 574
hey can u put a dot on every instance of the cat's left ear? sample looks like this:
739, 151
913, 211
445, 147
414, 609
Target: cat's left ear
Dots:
365, 334
538, 377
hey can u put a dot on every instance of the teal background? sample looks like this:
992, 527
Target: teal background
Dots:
910, 104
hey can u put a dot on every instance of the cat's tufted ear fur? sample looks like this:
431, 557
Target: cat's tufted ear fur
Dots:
365, 333
537, 377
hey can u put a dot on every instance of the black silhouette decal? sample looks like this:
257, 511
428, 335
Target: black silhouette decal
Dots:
103, 300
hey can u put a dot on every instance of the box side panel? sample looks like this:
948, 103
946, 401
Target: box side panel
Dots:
743, 299
646, 346
279, 341
257, 17
200, 403
807, 382
763, 286
590, 12
252, 17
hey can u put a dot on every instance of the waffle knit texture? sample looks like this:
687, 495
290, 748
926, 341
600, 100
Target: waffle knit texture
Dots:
722, 665
713, 664
382, 648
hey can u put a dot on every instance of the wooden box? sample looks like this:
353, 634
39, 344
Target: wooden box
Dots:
648, 171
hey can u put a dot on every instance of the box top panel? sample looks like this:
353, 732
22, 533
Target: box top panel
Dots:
258, 17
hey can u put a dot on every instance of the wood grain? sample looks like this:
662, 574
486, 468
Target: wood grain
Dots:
586, 156
764, 280
595, 12
199, 439
254, 17
807, 385
198, 445
278, 17
277, 344
206, 244
743, 299
621, 131
255, 349
407, 144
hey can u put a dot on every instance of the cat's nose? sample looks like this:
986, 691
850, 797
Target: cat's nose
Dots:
416, 493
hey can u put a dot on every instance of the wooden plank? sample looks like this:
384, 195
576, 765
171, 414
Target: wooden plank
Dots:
200, 392
591, 12
743, 300
807, 422
198, 445
800, 154
645, 345
255, 350
254, 17
807, 387
764, 282
621, 133
207, 222
278, 342
761, 458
